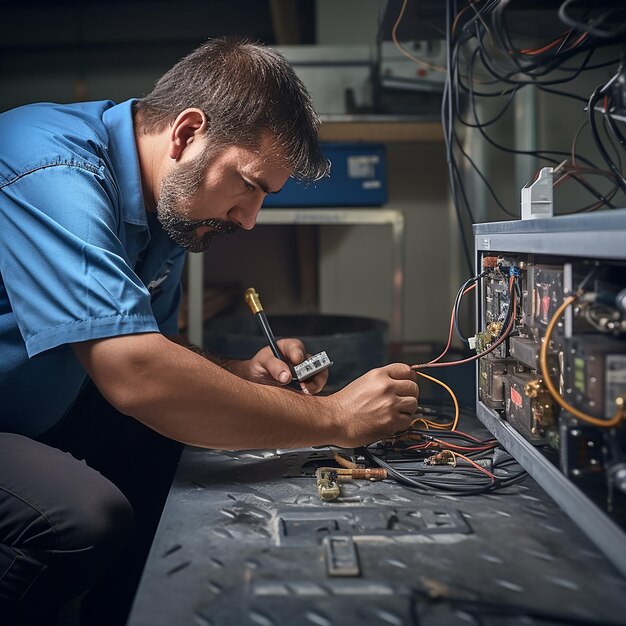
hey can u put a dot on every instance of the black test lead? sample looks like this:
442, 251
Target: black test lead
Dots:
308, 368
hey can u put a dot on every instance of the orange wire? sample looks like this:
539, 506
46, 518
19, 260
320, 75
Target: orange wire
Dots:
556, 42
549, 46
455, 421
474, 464
455, 23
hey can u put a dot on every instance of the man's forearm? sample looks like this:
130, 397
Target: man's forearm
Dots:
230, 365
189, 398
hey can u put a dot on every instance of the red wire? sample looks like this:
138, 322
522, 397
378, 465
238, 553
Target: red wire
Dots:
451, 328
504, 335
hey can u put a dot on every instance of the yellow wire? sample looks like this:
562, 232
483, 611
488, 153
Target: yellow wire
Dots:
543, 364
454, 400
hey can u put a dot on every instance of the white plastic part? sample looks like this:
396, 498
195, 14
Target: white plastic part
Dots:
537, 196
312, 366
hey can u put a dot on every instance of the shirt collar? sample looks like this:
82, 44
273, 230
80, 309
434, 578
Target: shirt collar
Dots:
123, 150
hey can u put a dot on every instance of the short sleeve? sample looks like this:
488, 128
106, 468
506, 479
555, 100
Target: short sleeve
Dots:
63, 261
167, 294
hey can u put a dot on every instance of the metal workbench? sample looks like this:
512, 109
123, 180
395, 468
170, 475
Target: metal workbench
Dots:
244, 541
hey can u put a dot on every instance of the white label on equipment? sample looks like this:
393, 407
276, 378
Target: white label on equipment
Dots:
363, 166
371, 184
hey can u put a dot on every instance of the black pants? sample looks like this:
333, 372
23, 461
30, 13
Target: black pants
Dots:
78, 511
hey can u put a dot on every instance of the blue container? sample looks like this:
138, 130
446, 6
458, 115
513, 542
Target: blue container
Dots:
358, 177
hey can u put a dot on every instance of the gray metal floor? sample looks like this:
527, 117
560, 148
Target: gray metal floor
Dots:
241, 544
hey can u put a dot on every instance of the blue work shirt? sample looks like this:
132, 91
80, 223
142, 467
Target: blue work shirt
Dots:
79, 256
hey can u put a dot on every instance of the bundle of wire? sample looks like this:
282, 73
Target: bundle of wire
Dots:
478, 35
463, 468
438, 458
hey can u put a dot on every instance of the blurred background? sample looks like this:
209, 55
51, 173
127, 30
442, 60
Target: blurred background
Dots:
373, 94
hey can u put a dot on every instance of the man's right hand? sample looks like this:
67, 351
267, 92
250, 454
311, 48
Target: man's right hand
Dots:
376, 405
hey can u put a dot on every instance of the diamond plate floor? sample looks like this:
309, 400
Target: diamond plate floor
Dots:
239, 544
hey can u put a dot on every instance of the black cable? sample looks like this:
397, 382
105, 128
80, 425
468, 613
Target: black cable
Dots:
521, 71
447, 120
485, 181
593, 100
610, 140
616, 17
498, 116
541, 154
616, 131
556, 81
430, 486
564, 94
457, 302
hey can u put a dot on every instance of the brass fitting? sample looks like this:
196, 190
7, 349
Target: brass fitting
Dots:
533, 388
253, 300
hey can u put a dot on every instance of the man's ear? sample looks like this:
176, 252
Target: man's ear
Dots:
188, 127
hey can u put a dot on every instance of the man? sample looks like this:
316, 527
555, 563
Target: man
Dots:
98, 203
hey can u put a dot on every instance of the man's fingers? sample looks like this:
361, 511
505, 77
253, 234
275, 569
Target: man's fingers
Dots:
400, 371
408, 405
317, 382
407, 388
293, 350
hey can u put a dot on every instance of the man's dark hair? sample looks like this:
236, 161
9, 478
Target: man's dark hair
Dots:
243, 88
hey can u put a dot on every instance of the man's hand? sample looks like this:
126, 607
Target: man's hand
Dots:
376, 405
265, 368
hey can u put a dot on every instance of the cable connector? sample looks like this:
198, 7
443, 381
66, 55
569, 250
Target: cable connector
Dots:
445, 457
328, 478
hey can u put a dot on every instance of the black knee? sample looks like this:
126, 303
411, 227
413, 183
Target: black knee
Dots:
61, 523
94, 517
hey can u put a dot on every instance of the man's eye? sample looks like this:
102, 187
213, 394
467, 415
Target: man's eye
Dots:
248, 186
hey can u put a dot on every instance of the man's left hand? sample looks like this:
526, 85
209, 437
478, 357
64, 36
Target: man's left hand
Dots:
265, 368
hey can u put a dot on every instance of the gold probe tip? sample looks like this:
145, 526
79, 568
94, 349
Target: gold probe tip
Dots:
253, 300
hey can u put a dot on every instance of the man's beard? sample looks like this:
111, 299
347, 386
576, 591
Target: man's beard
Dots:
177, 190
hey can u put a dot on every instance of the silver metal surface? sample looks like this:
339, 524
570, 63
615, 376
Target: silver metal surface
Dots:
609, 538
326, 217
243, 541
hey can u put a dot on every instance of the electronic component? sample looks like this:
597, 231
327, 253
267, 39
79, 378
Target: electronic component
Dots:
582, 451
317, 363
492, 373
305, 370
594, 373
555, 387
529, 407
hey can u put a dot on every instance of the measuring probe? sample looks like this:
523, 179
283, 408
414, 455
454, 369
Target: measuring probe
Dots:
305, 370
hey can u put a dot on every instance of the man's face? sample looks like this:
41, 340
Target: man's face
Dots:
214, 193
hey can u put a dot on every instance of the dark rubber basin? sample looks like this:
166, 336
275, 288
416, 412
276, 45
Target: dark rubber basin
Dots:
354, 344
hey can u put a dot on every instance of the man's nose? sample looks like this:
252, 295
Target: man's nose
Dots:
246, 213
